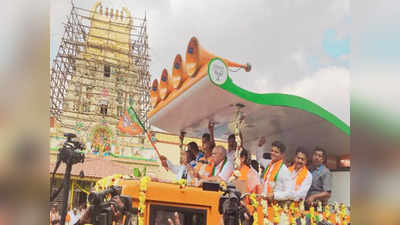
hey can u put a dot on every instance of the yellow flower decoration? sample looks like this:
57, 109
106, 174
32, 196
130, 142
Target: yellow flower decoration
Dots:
182, 183
343, 212
255, 218
327, 213
264, 204
293, 220
312, 215
277, 215
336, 207
106, 182
140, 221
312, 211
143, 183
319, 207
302, 206
142, 199
253, 199
223, 185
254, 204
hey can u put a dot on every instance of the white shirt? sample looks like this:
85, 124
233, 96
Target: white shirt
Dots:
73, 218
179, 170
231, 155
302, 190
283, 182
226, 171
282, 185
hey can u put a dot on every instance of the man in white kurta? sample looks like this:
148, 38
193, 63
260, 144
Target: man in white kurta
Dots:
180, 170
301, 176
223, 168
276, 176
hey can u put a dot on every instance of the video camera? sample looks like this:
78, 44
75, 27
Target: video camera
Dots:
68, 152
97, 198
101, 212
229, 203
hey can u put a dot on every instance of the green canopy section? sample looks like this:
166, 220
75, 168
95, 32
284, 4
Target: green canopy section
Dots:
277, 99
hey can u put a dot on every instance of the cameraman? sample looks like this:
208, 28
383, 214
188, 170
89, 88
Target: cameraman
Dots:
116, 207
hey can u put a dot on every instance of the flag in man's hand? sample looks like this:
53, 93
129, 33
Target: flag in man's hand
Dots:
131, 124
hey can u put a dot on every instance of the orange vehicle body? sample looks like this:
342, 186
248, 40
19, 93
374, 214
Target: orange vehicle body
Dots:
192, 198
171, 195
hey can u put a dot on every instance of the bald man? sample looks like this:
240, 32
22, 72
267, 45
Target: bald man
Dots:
222, 169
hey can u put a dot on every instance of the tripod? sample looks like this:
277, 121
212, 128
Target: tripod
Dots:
67, 155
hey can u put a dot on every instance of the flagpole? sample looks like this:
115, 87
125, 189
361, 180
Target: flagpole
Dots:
155, 148
134, 118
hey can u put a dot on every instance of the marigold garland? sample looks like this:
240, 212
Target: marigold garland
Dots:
254, 203
264, 205
182, 183
106, 182
223, 185
313, 218
277, 216
142, 199
296, 213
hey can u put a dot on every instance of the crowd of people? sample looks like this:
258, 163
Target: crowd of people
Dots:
72, 216
270, 175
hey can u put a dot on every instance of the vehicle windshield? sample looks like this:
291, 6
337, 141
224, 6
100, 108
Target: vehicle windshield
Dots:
159, 215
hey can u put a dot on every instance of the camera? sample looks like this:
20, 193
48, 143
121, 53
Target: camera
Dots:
68, 153
97, 198
229, 203
101, 212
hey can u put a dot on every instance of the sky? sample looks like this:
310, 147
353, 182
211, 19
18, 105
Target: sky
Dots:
298, 47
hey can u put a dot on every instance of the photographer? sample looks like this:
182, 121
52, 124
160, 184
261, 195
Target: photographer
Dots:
116, 206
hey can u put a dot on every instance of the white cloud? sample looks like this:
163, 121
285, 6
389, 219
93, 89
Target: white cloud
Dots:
299, 59
328, 87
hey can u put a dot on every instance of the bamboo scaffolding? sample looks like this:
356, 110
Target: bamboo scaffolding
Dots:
75, 64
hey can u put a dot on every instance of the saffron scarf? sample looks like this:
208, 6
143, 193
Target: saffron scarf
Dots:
301, 176
215, 166
273, 171
207, 167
